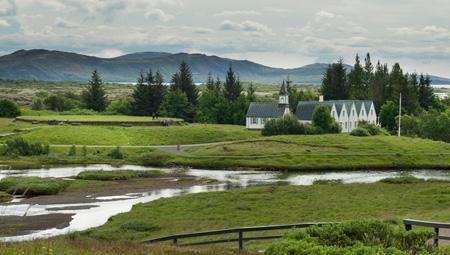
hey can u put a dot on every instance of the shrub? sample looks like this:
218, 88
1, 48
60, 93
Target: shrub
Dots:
118, 175
139, 226
156, 158
287, 125
359, 131
402, 180
20, 147
5, 197
368, 237
121, 106
372, 128
116, 153
37, 104
323, 121
72, 151
8, 109
33, 185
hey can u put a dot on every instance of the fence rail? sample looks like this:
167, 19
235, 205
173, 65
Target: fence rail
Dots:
428, 224
240, 239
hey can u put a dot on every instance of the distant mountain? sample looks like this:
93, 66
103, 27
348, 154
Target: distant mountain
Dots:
40, 64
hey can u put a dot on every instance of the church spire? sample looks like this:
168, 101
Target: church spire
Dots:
284, 95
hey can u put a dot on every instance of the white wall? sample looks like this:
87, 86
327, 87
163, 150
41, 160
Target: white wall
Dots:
258, 125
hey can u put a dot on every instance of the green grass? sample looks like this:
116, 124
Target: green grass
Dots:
95, 118
5, 197
322, 152
268, 205
118, 175
109, 135
92, 247
33, 186
8, 125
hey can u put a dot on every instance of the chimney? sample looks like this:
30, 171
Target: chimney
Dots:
321, 98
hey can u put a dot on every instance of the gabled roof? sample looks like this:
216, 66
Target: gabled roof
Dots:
305, 109
266, 110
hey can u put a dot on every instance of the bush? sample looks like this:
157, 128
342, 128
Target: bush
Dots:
121, 107
8, 109
323, 121
372, 128
72, 151
156, 158
118, 175
116, 153
33, 185
5, 197
20, 147
287, 125
359, 131
402, 180
369, 237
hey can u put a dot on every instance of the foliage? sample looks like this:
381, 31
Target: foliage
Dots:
432, 125
5, 197
94, 97
60, 102
116, 153
8, 109
372, 128
120, 107
72, 151
334, 83
287, 125
365, 237
360, 131
407, 179
388, 115
148, 94
118, 175
176, 105
33, 186
18, 146
323, 121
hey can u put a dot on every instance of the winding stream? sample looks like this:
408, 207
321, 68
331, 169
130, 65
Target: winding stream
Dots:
97, 212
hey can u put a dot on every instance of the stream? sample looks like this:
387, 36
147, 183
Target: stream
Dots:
96, 212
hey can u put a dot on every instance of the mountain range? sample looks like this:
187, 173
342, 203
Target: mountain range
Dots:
39, 64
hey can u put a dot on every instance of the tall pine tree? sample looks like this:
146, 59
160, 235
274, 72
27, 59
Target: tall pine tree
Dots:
426, 96
94, 97
183, 81
140, 96
355, 81
334, 82
232, 87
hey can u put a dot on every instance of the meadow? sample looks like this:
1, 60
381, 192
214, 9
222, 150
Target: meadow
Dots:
95, 118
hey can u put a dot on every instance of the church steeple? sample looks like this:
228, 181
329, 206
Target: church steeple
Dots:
284, 95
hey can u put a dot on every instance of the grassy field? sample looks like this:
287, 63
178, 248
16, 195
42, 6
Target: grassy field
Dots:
91, 247
8, 125
109, 135
95, 118
322, 152
268, 205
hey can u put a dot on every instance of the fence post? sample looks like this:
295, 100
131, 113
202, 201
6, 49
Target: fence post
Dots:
241, 241
436, 238
408, 227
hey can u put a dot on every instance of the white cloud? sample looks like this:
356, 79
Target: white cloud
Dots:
62, 23
324, 15
246, 26
107, 53
237, 13
7, 8
4, 23
158, 14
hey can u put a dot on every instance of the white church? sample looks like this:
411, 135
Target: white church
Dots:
348, 113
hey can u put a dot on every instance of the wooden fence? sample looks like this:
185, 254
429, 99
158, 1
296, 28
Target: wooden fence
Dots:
240, 239
435, 225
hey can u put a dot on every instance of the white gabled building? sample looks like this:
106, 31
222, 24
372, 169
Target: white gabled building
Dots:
259, 113
348, 113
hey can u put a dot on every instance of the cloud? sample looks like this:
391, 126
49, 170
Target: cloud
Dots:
158, 14
61, 23
107, 53
4, 23
202, 30
324, 15
237, 13
8, 8
246, 26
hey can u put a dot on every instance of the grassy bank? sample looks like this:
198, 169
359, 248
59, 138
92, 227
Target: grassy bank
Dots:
32, 186
322, 152
4, 197
279, 205
118, 175
108, 135
94, 118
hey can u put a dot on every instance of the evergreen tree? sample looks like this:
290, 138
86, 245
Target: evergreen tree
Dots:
355, 81
251, 97
334, 83
232, 86
388, 116
378, 86
158, 91
410, 96
210, 84
367, 75
176, 105
183, 81
397, 83
94, 97
140, 97
426, 96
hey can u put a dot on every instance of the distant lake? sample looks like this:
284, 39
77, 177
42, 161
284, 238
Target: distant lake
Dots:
441, 86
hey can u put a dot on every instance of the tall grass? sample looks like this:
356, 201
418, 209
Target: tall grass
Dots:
32, 186
118, 175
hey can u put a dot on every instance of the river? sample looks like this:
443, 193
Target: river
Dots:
97, 212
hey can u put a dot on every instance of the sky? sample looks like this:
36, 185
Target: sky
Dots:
277, 33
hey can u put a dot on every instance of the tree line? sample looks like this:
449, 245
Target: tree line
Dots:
220, 102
